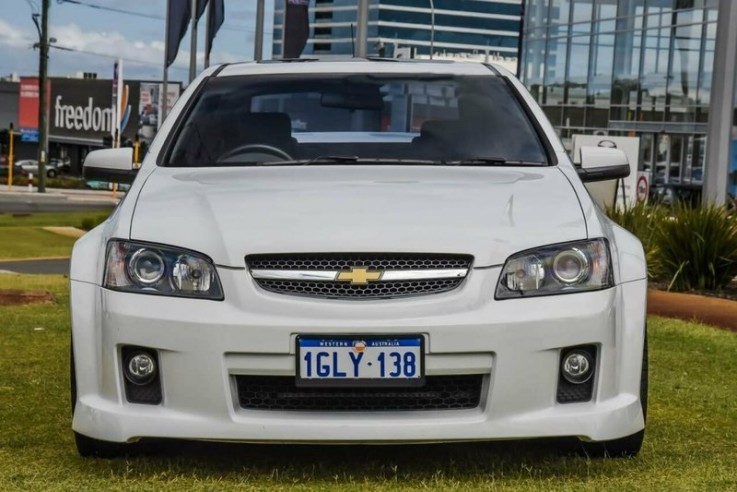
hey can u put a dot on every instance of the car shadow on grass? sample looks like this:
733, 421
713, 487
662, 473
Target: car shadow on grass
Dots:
299, 462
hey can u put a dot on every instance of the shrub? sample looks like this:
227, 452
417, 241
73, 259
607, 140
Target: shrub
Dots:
642, 221
90, 223
64, 182
697, 248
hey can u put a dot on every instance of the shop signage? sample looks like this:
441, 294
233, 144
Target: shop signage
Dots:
90, 117
28, 109
82, 110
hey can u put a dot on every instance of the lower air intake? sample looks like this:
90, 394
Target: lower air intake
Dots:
280, 393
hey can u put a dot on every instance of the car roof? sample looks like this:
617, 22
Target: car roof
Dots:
356, 65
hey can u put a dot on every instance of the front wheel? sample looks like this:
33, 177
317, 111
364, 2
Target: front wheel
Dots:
628, 445
87, 446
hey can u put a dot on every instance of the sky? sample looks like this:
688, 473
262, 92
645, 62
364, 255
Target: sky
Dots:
99, 37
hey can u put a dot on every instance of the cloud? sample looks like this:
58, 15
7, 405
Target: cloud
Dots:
95, 50
12, 37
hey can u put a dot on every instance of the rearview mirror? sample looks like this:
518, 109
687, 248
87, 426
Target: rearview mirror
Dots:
602, 164
114, 165
368, 100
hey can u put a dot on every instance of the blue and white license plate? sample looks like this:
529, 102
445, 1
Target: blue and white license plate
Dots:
360, 361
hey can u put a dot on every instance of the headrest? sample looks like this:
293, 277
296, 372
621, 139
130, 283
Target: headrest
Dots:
267, 125
439, 128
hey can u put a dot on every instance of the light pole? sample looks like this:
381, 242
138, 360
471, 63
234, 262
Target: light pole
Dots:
193, 45
43, 114
432, 28
721, 107
258, 42
362, 19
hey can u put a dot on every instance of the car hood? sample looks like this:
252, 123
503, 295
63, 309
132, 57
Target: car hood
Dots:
228, 213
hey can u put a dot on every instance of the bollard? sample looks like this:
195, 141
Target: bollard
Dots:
30, 183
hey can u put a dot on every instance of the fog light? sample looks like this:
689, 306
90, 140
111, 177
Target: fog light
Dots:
577, 366
140, 368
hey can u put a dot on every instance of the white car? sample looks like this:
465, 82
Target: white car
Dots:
453, 281
53, 168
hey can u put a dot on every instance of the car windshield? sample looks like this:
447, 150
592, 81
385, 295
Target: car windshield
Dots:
356, 118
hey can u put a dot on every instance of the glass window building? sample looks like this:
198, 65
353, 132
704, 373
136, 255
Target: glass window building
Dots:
627, 68
461, 26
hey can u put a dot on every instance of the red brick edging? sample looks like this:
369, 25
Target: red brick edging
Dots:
708, 310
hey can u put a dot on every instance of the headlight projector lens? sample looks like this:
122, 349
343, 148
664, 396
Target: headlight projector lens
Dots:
146, 267
571, 266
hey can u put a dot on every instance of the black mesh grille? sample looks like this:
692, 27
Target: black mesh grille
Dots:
281, 393
378, 290
343, 290
571, 393
344, 261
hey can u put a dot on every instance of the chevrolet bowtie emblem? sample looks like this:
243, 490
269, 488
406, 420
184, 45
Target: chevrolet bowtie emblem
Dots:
359, 276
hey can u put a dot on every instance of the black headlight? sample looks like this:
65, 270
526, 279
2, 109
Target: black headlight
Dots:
162, 270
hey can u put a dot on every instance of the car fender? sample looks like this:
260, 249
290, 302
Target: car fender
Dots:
87, 263
629, 253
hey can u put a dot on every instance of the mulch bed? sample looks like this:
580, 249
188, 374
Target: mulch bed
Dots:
18, 297
708, 310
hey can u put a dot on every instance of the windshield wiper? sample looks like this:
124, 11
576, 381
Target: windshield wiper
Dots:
332, 158
491, 161
352, 159
327, 160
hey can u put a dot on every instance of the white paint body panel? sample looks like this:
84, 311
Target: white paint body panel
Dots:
489, 213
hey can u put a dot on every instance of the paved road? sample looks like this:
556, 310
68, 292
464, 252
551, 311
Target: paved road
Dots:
44, 267
54, 201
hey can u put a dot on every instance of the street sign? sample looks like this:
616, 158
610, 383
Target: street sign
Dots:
643, 187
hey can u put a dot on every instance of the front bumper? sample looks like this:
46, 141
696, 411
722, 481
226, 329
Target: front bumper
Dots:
203, 345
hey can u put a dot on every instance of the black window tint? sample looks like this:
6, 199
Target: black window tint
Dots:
407, 116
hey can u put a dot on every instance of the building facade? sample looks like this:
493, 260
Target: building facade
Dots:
627, 68
461, 26
80, 115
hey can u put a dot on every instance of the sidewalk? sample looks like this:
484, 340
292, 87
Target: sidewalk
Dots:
21, 193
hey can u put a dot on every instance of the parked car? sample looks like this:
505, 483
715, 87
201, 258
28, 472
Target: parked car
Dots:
54, 167
17, 170
454, 283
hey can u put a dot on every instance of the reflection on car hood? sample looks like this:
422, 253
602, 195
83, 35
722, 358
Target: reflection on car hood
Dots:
228, 213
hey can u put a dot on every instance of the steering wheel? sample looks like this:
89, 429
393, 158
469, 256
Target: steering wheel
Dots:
255, 148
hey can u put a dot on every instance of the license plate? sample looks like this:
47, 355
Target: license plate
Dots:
360, 361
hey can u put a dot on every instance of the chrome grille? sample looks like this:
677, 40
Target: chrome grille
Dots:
393, 275
397, 261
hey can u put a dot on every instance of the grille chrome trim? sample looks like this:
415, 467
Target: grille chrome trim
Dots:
332, 275
359, 276
312, 275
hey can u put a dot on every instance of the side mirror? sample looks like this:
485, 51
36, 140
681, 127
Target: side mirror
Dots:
114, 165
602, 164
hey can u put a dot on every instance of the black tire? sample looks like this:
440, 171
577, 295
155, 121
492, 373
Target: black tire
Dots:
51, 173
629, 445
87, 446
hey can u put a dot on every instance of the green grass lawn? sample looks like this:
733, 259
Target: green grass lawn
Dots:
32, 242
46, 219
22, 236
690, 444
